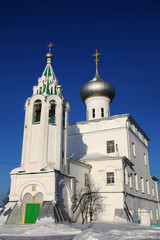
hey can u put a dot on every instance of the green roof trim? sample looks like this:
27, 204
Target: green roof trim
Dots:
49, 72
45, 74
44, 88
48, 87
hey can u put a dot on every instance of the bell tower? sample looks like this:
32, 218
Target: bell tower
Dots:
46, 122
42, 181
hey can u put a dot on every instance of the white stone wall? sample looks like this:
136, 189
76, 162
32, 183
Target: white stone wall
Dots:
78, 170
112, 193
42, 142
23, 183
87, 141
138, 180
91, 136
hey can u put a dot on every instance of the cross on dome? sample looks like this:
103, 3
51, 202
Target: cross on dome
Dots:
50, 45
96, 55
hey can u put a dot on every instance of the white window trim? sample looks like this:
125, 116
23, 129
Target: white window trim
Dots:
142, 185
112, 178
148, 187
130, 180
145, 159
133, 149
136, 181
110, 146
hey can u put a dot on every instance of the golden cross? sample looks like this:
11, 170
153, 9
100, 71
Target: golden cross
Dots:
96, 55
33, 199
50, 45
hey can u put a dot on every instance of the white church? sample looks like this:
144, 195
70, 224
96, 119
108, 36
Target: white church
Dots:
58, 158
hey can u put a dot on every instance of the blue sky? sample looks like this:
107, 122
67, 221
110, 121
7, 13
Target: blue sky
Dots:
127, 32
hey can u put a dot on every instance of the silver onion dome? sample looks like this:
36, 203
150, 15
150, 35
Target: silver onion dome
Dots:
97, 87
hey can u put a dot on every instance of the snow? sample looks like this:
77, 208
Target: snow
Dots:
46, 226
92, 156
119, 229
3, 216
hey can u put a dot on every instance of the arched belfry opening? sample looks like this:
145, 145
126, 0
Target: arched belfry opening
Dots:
37, 111
52, 112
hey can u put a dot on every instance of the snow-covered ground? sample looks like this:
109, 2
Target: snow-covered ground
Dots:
44, 227
116, 230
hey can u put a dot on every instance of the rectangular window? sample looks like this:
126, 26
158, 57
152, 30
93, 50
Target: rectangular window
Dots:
151, 214
102, 112
86, 179
110, 177
148, 189
153, 194
64, 118
136, 181
145, 159
133, 150
157, 214
93, 113
110, 146
142, 185
130, 180
126, 176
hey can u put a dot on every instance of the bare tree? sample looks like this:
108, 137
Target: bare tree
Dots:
90, 202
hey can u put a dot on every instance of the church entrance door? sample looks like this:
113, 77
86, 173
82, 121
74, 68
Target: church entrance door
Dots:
31, 213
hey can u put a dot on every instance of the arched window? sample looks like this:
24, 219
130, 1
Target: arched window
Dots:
93, 113
52, 112
37, 111
102, 112
40, 90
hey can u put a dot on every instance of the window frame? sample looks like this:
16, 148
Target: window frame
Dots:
145, 159
126, 176
148, 187
142, 185
110, 145
136, 181
86, 179
133, 149
93, 113
102, 112
110, 178
130, 181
